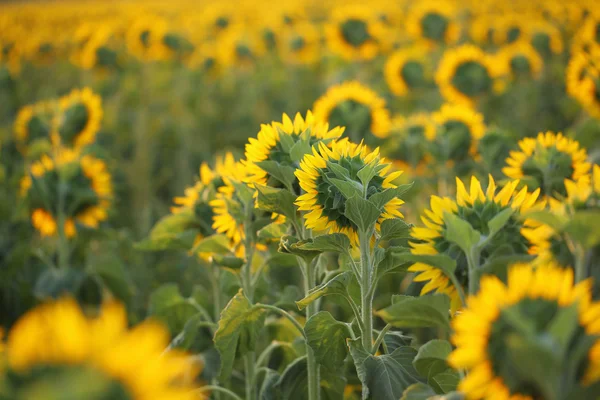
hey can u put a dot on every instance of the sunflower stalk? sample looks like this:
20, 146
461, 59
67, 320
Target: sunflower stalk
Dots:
365, 289
311, 309
63, 243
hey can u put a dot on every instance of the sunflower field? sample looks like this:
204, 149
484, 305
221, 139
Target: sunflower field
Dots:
300, 200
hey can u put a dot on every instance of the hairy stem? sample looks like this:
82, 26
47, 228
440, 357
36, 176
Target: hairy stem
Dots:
311, 309
366, 292
249, 363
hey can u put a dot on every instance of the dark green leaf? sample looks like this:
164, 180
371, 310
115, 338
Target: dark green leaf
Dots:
283, 173
417, 312
327, 337
215, 244
418, 391
499, 221
384, 197
362, 212
293, 383
280, 201
394, 228
348, 188
167, 305
53, 283
431, 358
460, 232
334, 242
336, 285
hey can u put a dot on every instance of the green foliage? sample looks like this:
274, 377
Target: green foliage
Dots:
415, 312
337, 285
327, 337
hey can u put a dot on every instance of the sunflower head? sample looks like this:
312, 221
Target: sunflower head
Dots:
78, 119
331, 175
300, 44
478, 208
459, 130
546, 161
97, 358
522, 60
240, 48
433, 22
505, 326
466, 73
409, 142
407, 70
81, 183
546, 39
357, 108
33, 125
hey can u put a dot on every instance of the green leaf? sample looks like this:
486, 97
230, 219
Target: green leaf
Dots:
583, 228
299, 150
394, 228
393, 261
242, 191
286, 140
267, 389
362, 212
339, 171
327, 337
168, 305
334, 242
382, 198
564, 325
395, 339
417, 312
239, 327
185, 339
367, 172
168, 241
418, 391
446, 381
554, 221
113, 276
336, 285
53, 283
272, 231
280, 201
283, 173
215, 244
499, 221
293, 383
232, 262
387, 376
431, 358
460, 232
347, 188
290, 245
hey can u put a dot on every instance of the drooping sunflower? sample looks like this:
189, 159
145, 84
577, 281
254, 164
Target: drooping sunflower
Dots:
522, 60
33, 123
407, 69
477, 208
434, 22
78, 119
300, 44
466, 73
324, 202
356, 107
55, 345
85, 200
408, 144
460, 129
354, 32
546, 161
483, 330
275, 140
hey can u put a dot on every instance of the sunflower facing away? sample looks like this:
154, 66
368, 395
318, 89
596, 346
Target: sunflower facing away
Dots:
583, 81
78, 120
356, 107
433, 22
408, 144
324, 202
477, 208
33, 123
406, 70
546, 161
484, 330
300, 44
522, 60
466, 73
86, 199
56, 342
459, 130
275, 141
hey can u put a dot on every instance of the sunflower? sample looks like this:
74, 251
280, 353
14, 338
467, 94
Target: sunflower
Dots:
545, 38
219, 18
98, 49
204, 58
275, 141
56, 342
356, 107
587, 38
354, 32
407, 69
322, 199
86, 199
408, 143
144, 37
510, 28
546, 161
477, 208
433, 21
460, 129
78, 119
239, 47
522, 60
466, 73
587, 89
483, 330
300, 44
33, 123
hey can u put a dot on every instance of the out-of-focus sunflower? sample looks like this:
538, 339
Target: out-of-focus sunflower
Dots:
354, 32
56, 344
545, 38
482, 332
522, 60
465, 73
324, 202
82, 184
546, 161
434, 22
459, 130
583, 80
204, 58
218, 18
274, 143
407, 69
510, 28
408, 144
78, 118
356, 107
99, 50
148, 38
587, 38
482, 28
300, 44
239, 48
34, 123
477, 208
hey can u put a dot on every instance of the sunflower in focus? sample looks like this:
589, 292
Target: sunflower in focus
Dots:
408, 144
300, 44
484, 330
78, 119
546, 161
114, 361
354, 32
466, 73
522, 60
275, 141
406, 70
459, 132
86, 199
434, 22
323, 202
477, 208
33, 123
356, 107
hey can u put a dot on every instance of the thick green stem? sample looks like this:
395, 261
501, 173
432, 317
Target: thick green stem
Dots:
249, 364
311, 309
366, 292
63, 242
580, 264
246, 272
214, 275
473, 264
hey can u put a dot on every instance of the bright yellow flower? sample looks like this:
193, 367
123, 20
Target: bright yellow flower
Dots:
522, 60
78, 119
434, 22
460, 129
407, 69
